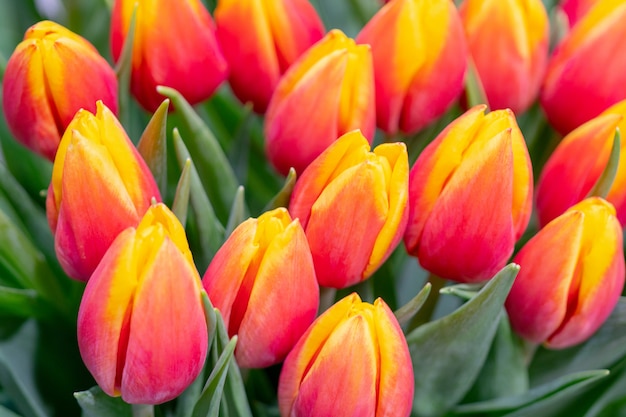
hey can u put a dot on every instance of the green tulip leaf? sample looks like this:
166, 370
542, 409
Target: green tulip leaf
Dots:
5, 412
95, 403
281, 199
535, 400
611, 401
448, 353
237, 212
210, 232
405, 313
19, 303
180, 205
463, 291
216, 174
602, 187
153, 146
474, 90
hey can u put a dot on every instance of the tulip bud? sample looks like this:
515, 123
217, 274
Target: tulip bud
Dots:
327, 92
576, 9
53, 73
587, 71
352, 204
508, 41
263, 282
477, 160
276, 34
577, 164
174, 45
142, 332
100, 186
420, 58
571, 276
353, 361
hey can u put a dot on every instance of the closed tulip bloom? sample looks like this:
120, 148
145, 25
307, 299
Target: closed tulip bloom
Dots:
470, 197
576, 9
174, 46
100, 186
263, 282
420, 58
508, 41
353, 361
53, 73
276, 34
571, 276
327, 92
587, 71
352, 203
142, 331
577, 164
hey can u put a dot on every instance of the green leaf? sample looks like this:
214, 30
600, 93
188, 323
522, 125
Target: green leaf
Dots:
19, 303
153, 146
215, 172
209, 403
237, 212
281, 199
602, 187
474, 90
180, 206
405, 313
95, 403
5, 412
610, 400
448, 353
537, 398
210, 231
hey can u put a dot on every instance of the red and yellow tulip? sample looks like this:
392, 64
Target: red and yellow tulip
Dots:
174, 45
100, 186
142, 331
571, 276
587, 71
470, 196
577, 164
353, 361
420, 57
327, 92
52, 74
276, 34
508, 41
263, 282
352, 203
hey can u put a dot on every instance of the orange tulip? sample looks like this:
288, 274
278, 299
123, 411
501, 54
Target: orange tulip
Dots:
571, 276
352, 361
100, 186
52, 74
419, 61
142, 332
587, 71
174, 46
470, 197
276, 34
508, 41
327, 92
576, 9
352, 203
577, 164
263, 281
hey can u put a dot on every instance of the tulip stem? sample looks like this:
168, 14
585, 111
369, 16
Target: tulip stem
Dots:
426, 312
143, 410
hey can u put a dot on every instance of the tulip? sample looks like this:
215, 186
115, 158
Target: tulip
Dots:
276, 34
576, 9
587, 71
352, 361
508, 41
571, 276
53, 73
470, 194
100, 186
420, 58
327, 92
352, 204
142, 332
174, 45
263, 282
577, 164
